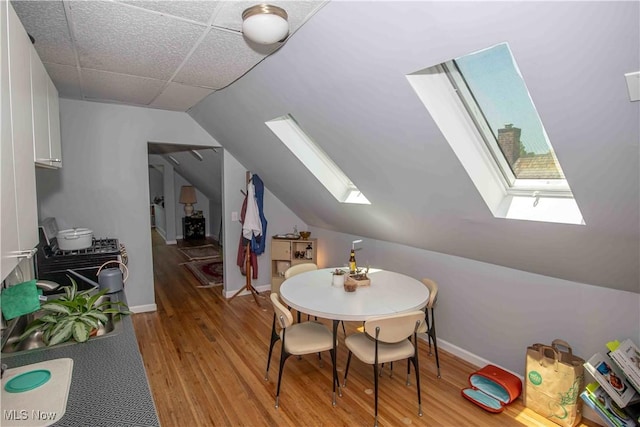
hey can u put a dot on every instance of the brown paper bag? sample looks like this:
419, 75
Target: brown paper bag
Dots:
554, 379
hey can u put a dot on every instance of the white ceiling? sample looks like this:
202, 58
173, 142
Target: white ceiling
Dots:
160, 54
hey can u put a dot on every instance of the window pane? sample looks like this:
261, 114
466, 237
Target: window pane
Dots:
493, 78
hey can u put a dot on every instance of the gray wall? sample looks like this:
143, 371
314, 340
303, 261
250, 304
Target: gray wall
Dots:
485, 312
280, 220
104, 183
488, 313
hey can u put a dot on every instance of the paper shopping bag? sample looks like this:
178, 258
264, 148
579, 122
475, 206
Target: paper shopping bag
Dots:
554, 379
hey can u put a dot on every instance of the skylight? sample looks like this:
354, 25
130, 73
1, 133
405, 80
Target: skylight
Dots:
494, 92
483, 107
316, 160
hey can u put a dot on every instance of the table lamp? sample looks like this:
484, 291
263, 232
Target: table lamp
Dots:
188, 197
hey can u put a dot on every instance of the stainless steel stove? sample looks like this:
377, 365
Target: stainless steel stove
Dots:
52, 263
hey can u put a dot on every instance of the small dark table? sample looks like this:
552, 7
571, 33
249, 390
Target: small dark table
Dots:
193, 228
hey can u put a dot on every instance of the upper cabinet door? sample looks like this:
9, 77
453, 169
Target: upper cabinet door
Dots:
40, 109
46, 116
55, 146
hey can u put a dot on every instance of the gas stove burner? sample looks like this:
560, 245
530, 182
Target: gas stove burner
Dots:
98, 246
51, 260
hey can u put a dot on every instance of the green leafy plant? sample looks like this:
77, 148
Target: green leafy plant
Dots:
74, 315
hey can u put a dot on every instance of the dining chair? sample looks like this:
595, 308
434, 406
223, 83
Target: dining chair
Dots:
386, 339
298, 339
297, 269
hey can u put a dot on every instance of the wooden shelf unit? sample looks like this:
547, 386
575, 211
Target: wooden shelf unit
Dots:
283, 255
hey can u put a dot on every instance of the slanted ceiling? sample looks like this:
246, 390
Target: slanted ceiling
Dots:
205, 174
342, 76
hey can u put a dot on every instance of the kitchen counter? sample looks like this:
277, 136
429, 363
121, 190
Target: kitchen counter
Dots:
109, 385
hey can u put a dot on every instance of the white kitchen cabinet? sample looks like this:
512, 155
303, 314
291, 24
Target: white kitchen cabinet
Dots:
19, 226
55, 145
46, 118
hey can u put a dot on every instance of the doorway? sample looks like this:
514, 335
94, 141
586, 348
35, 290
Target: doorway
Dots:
172, 167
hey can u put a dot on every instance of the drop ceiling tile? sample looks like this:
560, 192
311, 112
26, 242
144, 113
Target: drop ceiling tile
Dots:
219, 60
47, 23
115, 37
66, 80
199, 11
180, 97
104, 86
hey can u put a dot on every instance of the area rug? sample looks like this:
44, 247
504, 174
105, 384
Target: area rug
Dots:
208, 272
208, 252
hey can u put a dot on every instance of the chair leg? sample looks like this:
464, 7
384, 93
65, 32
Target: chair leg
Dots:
335, 377
375, 381
390, 369
283, 358
416, 366
346, 370
274, 338
428, 324
432, 333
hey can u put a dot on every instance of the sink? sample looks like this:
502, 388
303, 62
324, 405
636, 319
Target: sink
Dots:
17, 326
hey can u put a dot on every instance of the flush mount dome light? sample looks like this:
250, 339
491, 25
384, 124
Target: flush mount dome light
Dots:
265, 24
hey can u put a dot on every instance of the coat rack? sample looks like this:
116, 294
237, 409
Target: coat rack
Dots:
247, 260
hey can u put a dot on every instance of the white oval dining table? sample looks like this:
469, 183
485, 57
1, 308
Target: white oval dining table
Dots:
389, 293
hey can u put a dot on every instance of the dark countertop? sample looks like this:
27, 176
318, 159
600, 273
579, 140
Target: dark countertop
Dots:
109, 385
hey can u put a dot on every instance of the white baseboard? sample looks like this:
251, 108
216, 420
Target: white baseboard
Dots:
171, 242
467, 356
143, 308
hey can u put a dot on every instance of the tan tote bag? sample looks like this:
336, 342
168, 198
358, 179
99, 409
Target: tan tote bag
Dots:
554, 379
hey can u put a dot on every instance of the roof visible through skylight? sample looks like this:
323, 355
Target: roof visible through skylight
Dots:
497, 86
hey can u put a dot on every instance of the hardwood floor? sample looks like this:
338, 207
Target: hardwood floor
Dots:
206, 357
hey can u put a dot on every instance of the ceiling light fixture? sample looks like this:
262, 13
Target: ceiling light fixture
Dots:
197, 155
174, 160
265, 24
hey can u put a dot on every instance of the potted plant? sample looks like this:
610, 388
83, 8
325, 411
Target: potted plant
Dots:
74, 315
338, 277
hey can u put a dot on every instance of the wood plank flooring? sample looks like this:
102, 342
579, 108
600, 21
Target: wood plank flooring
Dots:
206, 357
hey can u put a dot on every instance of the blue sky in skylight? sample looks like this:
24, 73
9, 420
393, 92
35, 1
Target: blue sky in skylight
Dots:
500, 91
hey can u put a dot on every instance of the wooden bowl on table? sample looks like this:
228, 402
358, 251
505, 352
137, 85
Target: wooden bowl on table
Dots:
305, 234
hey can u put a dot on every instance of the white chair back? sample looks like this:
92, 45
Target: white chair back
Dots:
433, 292
299, 268
394, 328
285, 319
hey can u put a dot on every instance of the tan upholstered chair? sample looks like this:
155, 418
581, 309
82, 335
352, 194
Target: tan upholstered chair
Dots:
385, 340
294, 270
429, 326
299, 268
298, 339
